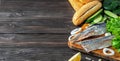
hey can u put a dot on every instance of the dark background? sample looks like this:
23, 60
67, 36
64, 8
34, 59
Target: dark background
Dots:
36, 30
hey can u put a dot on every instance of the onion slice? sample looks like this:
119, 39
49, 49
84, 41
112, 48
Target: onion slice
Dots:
108, 52
69, 38
74, 31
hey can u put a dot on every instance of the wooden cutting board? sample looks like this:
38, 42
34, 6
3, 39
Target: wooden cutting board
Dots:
98, 53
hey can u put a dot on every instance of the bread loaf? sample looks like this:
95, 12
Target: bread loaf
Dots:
86, 11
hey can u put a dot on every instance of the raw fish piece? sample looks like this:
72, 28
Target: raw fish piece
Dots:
94, 30
97, 43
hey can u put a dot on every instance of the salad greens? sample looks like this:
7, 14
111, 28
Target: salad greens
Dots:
112, 5
113, 26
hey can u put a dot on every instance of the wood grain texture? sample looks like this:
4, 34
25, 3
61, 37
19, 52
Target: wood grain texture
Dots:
35, 54
39, 54
33, 40
36, 30
36, 26
35, 16
98, 52
34, 9
37, 47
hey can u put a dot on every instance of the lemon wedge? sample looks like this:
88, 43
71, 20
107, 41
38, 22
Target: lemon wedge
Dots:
76, 57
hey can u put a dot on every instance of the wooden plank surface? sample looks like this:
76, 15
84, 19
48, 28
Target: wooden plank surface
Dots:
49, 25
32, 9
98, 52
35, 16
36, 30
39, 54
37, 47
33, 40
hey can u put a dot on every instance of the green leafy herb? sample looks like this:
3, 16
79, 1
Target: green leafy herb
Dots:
112, 5
113, 26
116, 42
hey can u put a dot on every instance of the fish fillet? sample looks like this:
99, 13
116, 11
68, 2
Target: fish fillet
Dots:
97, 43
90, 31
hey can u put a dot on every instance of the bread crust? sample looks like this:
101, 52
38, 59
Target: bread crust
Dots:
86, 1
86, 11
76, 4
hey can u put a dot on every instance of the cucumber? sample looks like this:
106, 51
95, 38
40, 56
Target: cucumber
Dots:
98, 19
104, 18
90, 19
111, 14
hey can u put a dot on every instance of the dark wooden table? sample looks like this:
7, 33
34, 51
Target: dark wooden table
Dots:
36, 30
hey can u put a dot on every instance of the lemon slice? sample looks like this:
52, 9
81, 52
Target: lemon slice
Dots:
76, 57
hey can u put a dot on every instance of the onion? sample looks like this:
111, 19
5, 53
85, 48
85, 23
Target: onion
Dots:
108, 52
74, 31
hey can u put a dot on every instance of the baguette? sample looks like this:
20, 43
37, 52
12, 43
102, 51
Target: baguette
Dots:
76, 4
86, 11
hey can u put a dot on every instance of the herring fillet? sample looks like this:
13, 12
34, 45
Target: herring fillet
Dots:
94, 30
97, 43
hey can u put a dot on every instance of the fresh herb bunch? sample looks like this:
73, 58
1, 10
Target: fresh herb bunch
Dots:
112, 5
113, 26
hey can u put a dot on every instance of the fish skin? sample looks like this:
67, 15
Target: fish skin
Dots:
97, 43
94, 30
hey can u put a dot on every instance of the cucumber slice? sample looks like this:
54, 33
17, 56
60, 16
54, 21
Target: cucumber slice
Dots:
104, 18
90, 19
111, 14
98, 19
